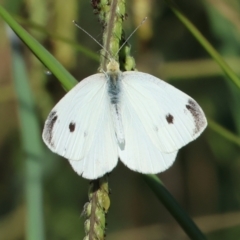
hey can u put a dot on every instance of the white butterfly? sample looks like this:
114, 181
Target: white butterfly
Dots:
130, 115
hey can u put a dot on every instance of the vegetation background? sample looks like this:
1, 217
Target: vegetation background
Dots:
205, 179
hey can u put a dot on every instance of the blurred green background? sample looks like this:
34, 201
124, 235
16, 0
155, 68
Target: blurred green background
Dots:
205, 179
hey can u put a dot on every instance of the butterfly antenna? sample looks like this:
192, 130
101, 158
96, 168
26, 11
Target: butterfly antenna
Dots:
143, 21
78, 26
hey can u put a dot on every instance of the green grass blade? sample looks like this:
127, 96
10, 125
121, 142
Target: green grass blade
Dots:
67, 80
170, 203
32, 145
207, 46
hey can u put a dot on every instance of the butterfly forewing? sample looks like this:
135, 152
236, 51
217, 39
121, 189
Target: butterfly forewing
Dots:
170, 117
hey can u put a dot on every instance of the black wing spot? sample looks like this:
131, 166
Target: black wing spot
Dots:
52, 118
72, 127
169, 118
197, 114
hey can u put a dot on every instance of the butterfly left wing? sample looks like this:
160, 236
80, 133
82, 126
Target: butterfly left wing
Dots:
80, 128
170, 118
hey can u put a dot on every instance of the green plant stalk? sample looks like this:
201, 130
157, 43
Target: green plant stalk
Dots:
207, 46
97, 207
113, 29
170, 203
67, 80
32, 145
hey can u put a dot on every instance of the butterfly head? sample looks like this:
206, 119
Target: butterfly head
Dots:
113, 66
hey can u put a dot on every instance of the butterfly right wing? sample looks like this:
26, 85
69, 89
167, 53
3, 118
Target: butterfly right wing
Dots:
170, 117
80, 128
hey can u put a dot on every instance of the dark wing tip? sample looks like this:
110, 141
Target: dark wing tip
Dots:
48, 128
198, 116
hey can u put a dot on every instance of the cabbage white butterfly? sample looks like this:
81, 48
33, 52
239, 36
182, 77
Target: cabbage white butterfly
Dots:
130, 115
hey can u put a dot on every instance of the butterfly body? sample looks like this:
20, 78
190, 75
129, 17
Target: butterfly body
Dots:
131, 115
113, 77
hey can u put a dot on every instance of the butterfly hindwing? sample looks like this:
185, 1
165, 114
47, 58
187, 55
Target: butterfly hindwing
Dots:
140, 154
102, 156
